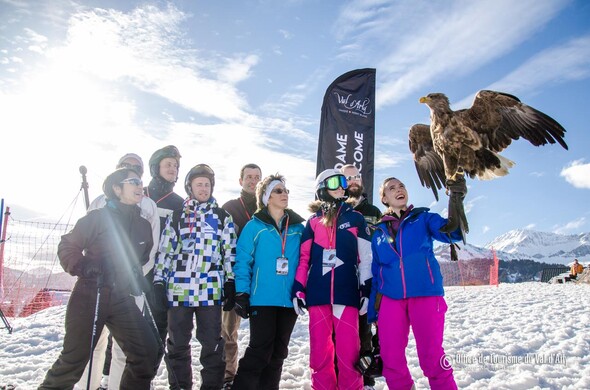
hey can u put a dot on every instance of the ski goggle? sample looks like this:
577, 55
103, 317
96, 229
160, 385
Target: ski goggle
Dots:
332, 183
133, 180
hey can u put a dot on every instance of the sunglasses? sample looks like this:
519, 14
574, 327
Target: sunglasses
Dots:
355, 177
332, 183
280, 191
133, 180
136, 168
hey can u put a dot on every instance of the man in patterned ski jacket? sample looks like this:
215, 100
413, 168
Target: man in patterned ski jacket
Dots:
193, 267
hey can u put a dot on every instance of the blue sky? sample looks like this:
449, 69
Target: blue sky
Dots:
236, 82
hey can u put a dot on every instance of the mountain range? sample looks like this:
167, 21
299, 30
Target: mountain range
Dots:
524, 244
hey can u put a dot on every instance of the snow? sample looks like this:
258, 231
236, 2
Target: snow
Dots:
514, 336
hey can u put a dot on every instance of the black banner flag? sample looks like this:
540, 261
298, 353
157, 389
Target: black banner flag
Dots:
347, 126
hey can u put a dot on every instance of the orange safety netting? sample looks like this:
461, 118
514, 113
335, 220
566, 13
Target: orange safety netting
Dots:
31, 278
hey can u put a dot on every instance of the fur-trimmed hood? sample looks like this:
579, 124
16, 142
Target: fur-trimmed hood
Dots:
317, 205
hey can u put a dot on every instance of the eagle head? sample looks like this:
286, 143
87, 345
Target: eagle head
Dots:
436, 101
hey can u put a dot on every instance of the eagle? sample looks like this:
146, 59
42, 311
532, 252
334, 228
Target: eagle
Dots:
468, 142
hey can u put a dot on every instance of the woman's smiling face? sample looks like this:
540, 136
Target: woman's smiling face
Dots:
395, 194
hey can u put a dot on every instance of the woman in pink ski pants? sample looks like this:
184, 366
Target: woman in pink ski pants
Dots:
407, 289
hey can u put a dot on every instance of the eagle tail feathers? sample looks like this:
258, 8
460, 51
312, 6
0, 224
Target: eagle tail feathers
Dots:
500, 168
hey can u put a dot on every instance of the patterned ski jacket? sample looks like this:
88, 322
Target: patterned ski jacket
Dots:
404, 266
259, 247
197, 249
341, 284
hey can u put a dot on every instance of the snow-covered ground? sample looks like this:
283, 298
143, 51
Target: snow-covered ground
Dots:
515, 336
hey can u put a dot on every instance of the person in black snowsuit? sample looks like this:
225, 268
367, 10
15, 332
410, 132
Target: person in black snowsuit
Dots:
164, 165
106, 250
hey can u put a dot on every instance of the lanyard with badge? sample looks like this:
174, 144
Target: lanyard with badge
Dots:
329, 254
282, 261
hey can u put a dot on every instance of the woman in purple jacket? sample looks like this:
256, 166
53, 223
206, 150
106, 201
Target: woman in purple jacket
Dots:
407, 289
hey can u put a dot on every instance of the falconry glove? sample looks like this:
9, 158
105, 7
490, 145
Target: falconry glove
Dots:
457, 218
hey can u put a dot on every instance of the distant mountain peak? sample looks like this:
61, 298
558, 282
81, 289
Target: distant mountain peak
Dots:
527, 244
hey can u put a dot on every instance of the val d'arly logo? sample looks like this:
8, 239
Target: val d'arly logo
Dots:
354, 106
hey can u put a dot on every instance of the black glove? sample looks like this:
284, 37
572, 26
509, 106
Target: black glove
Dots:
91, 269
229, 295
242, 306
160, 296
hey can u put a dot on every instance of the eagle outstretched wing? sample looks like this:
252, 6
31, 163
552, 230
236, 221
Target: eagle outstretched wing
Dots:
429, 164
499, 118
469, 140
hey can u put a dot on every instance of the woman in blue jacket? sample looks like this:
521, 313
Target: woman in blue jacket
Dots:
267, 256
407, 289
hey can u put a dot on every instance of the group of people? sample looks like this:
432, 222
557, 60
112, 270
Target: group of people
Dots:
150, 264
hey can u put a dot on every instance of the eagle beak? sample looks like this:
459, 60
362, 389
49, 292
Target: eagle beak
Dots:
424, 99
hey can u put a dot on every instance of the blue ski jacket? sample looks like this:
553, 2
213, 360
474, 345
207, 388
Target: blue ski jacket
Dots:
404, 266
259, 246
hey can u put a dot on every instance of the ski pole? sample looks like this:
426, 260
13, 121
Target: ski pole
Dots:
93, 336
166, 358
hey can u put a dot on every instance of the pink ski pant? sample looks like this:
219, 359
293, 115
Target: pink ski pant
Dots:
334, 329
426, 316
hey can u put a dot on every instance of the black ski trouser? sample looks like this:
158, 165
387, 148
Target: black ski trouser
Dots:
108, 356
366, 335
125, 322
262, 364
160, 315
208, 333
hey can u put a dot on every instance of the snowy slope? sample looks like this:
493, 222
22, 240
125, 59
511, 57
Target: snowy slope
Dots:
515, 336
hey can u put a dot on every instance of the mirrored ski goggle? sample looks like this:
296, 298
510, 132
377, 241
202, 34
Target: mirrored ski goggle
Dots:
332, 183
133, 180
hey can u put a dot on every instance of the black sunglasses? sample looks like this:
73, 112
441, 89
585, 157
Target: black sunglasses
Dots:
280, 191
